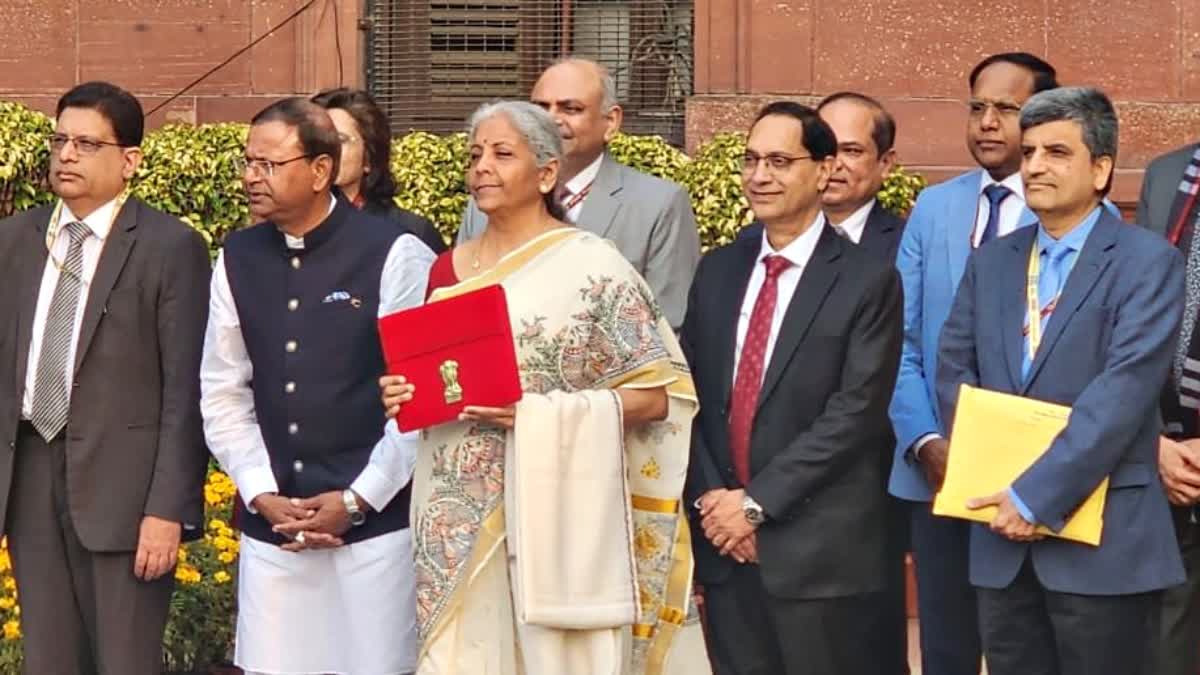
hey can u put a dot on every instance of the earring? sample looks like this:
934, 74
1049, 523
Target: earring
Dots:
545, 189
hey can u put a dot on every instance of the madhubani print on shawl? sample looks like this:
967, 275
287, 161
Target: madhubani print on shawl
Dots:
611, 336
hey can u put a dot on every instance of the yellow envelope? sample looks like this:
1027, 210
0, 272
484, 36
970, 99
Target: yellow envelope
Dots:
996, 438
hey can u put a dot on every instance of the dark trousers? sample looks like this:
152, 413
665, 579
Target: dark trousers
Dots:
1175, 628
751, 632
950, 642
892, 640
82, 613
1029, 630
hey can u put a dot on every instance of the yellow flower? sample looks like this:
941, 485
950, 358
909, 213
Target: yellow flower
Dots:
10, 584
7, 603
226, 532
186, 574
226, 557
221, 577
12, 630
217, 524
5, 561
182, 555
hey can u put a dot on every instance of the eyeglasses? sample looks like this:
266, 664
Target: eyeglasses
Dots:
264, 167
83, 144
777, 162
978, 108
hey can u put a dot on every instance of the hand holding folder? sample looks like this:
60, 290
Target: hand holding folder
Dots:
996, 438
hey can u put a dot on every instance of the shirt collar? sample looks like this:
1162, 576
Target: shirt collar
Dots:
100, 221
801, 248
856, 223
1013, 183
1073, 240
298, 242
586, 177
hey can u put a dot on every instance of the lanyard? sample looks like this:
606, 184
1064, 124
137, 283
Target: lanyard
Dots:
54, 228
577, 197
1034, 315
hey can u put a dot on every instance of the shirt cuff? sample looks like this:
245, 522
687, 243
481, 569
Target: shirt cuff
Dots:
254, 481
921, 442
374, 488
1026, 513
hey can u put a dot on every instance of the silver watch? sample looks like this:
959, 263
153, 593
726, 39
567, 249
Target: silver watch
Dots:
357, 517
753, 512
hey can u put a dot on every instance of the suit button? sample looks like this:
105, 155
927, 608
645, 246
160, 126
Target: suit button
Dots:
293, 428
290, 387
291, 346
298, 466
295, 263
293, 304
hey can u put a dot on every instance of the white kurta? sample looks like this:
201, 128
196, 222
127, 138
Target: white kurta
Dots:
343, 611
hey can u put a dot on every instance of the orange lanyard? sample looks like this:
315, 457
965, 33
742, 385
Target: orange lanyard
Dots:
577, 197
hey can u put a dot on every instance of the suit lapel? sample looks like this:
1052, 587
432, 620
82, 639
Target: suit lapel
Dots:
729, 301
1011, 287
30, 269
1089, 267
600, 208
877, 233
112, 261
961, 211
815, 283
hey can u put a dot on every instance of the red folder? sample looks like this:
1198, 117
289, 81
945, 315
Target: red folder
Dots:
455, 352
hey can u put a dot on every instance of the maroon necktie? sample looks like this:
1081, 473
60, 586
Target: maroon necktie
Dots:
748, 383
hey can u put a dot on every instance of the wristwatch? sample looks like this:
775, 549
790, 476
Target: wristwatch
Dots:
753, 512
357, 517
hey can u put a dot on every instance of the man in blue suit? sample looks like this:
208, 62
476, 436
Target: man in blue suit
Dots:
1084, 311
948, 221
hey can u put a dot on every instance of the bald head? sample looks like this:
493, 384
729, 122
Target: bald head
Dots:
581, 97
315, 132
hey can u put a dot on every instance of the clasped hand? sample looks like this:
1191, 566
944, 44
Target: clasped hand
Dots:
321, 520
725, 525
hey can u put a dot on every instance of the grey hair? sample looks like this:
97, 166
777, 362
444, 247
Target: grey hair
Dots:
534, 124
608, 85
1087, 106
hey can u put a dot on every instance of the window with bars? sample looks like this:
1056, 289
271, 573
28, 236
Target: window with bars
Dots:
431, 62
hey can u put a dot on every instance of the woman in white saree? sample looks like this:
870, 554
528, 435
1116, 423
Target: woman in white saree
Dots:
549, 537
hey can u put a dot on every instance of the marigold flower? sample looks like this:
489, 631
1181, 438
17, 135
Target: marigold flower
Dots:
12, 630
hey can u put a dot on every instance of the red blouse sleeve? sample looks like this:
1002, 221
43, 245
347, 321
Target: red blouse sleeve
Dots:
441, 274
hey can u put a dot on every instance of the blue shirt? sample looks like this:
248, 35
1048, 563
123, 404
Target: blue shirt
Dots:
1074, 241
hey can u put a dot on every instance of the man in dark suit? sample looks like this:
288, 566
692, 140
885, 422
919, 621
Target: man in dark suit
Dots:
105, 300
1170, 207
1084, 311
794, 341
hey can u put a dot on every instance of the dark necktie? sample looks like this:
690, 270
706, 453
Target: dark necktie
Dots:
51, 401
996, 194
748, 382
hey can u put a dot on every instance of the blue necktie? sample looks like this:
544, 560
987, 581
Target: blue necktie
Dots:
1051, 277
995, 193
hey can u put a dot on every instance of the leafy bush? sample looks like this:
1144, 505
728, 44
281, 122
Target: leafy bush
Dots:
430, 175
23, 158
191, 172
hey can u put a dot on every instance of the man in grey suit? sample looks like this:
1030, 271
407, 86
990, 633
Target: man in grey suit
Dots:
1080, 310
649, 219
1169, 206
104, 310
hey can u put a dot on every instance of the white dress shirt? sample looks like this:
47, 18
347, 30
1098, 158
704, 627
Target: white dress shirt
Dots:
1010, 208
581, 180
856, 223
798, 252
227, 396
100, 222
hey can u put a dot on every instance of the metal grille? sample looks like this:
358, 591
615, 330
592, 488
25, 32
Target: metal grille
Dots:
432, 62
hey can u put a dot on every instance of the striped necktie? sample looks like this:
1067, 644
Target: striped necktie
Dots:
51, 398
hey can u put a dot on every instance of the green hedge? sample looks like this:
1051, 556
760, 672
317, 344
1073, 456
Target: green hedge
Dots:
189, 171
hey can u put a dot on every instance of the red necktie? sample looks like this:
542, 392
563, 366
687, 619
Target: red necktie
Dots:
748, 383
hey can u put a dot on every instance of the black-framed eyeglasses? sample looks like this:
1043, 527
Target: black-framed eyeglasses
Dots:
84, 145
777, 162
265, 167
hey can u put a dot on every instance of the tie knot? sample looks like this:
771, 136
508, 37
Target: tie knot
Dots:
1057, 251
776, 264
78, 231
996, 193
